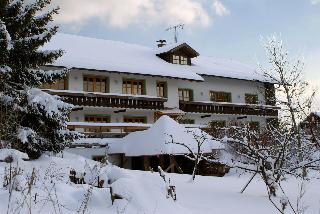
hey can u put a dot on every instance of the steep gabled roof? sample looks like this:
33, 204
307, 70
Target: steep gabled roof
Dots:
183, 47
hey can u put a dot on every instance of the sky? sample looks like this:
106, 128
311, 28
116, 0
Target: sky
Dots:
220, 28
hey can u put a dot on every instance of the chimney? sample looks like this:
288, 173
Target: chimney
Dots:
161, 43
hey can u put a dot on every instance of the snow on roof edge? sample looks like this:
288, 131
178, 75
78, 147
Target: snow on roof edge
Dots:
128, 73
121, 57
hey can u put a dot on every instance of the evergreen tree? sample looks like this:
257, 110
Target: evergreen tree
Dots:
32, 121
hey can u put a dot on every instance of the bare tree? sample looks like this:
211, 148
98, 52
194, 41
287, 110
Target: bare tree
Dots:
198, 154
291, 87
280, 149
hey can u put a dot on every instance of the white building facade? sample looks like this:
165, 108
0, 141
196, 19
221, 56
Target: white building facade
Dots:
118, 87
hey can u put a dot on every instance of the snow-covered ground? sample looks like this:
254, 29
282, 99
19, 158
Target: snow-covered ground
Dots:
143, 192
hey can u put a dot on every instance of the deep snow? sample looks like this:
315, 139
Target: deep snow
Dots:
145, 192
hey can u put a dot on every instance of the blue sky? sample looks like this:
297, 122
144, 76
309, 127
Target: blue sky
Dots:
235, 34
221, 28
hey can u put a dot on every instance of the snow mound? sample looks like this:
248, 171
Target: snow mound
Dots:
52, 105
15, 154
52, 181
157, 139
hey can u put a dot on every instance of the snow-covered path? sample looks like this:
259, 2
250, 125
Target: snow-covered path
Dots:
209, 195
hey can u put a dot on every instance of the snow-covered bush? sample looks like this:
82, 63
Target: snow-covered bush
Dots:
170, 189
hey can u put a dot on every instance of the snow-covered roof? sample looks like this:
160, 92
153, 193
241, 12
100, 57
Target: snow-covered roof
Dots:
211, 66
98, 54
156, 140
105, 55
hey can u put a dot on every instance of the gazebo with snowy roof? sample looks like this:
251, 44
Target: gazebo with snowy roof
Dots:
154, 146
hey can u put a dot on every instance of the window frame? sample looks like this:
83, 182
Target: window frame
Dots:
182, 90
85, 83
254, 125
180, 60
131, 86
249, 100
96, 116
58, 83
187, 121
218, 124
175, 59
220, 94
183, 60
165, 89
142, 118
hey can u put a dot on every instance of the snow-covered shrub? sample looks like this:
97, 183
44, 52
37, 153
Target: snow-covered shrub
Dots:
13, 154
170, 189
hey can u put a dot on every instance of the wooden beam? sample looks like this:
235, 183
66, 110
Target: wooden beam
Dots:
146, 163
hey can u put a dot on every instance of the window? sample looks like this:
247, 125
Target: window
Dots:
135, 119
176, 59
183, 60
220, 96
186, 121
254, 125
97, 119
251, 98
217, 124
60, 84
162, 89
100, 158
95, 84
185, 94
179, 60
216, 128
133, 87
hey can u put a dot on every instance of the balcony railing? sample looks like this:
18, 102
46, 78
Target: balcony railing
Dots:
80, 98
229, 108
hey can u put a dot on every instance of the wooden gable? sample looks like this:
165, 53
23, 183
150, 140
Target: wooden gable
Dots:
179, 50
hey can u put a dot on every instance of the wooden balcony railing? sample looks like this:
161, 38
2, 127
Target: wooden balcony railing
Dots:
229, 108
109, 100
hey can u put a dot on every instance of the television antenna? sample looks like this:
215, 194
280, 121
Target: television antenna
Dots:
175, 29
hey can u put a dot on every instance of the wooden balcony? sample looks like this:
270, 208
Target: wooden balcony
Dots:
109, 100
229, 108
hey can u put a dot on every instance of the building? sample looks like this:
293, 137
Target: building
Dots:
118, 88
311, 125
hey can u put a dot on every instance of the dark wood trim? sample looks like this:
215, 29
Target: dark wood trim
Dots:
113, 101
228, 108
186, 48
233, 78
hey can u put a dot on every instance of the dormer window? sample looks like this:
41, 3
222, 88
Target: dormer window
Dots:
176, 59
183, 60
177, 53
179, 60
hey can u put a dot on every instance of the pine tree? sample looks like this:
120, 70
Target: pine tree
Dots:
32, 121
